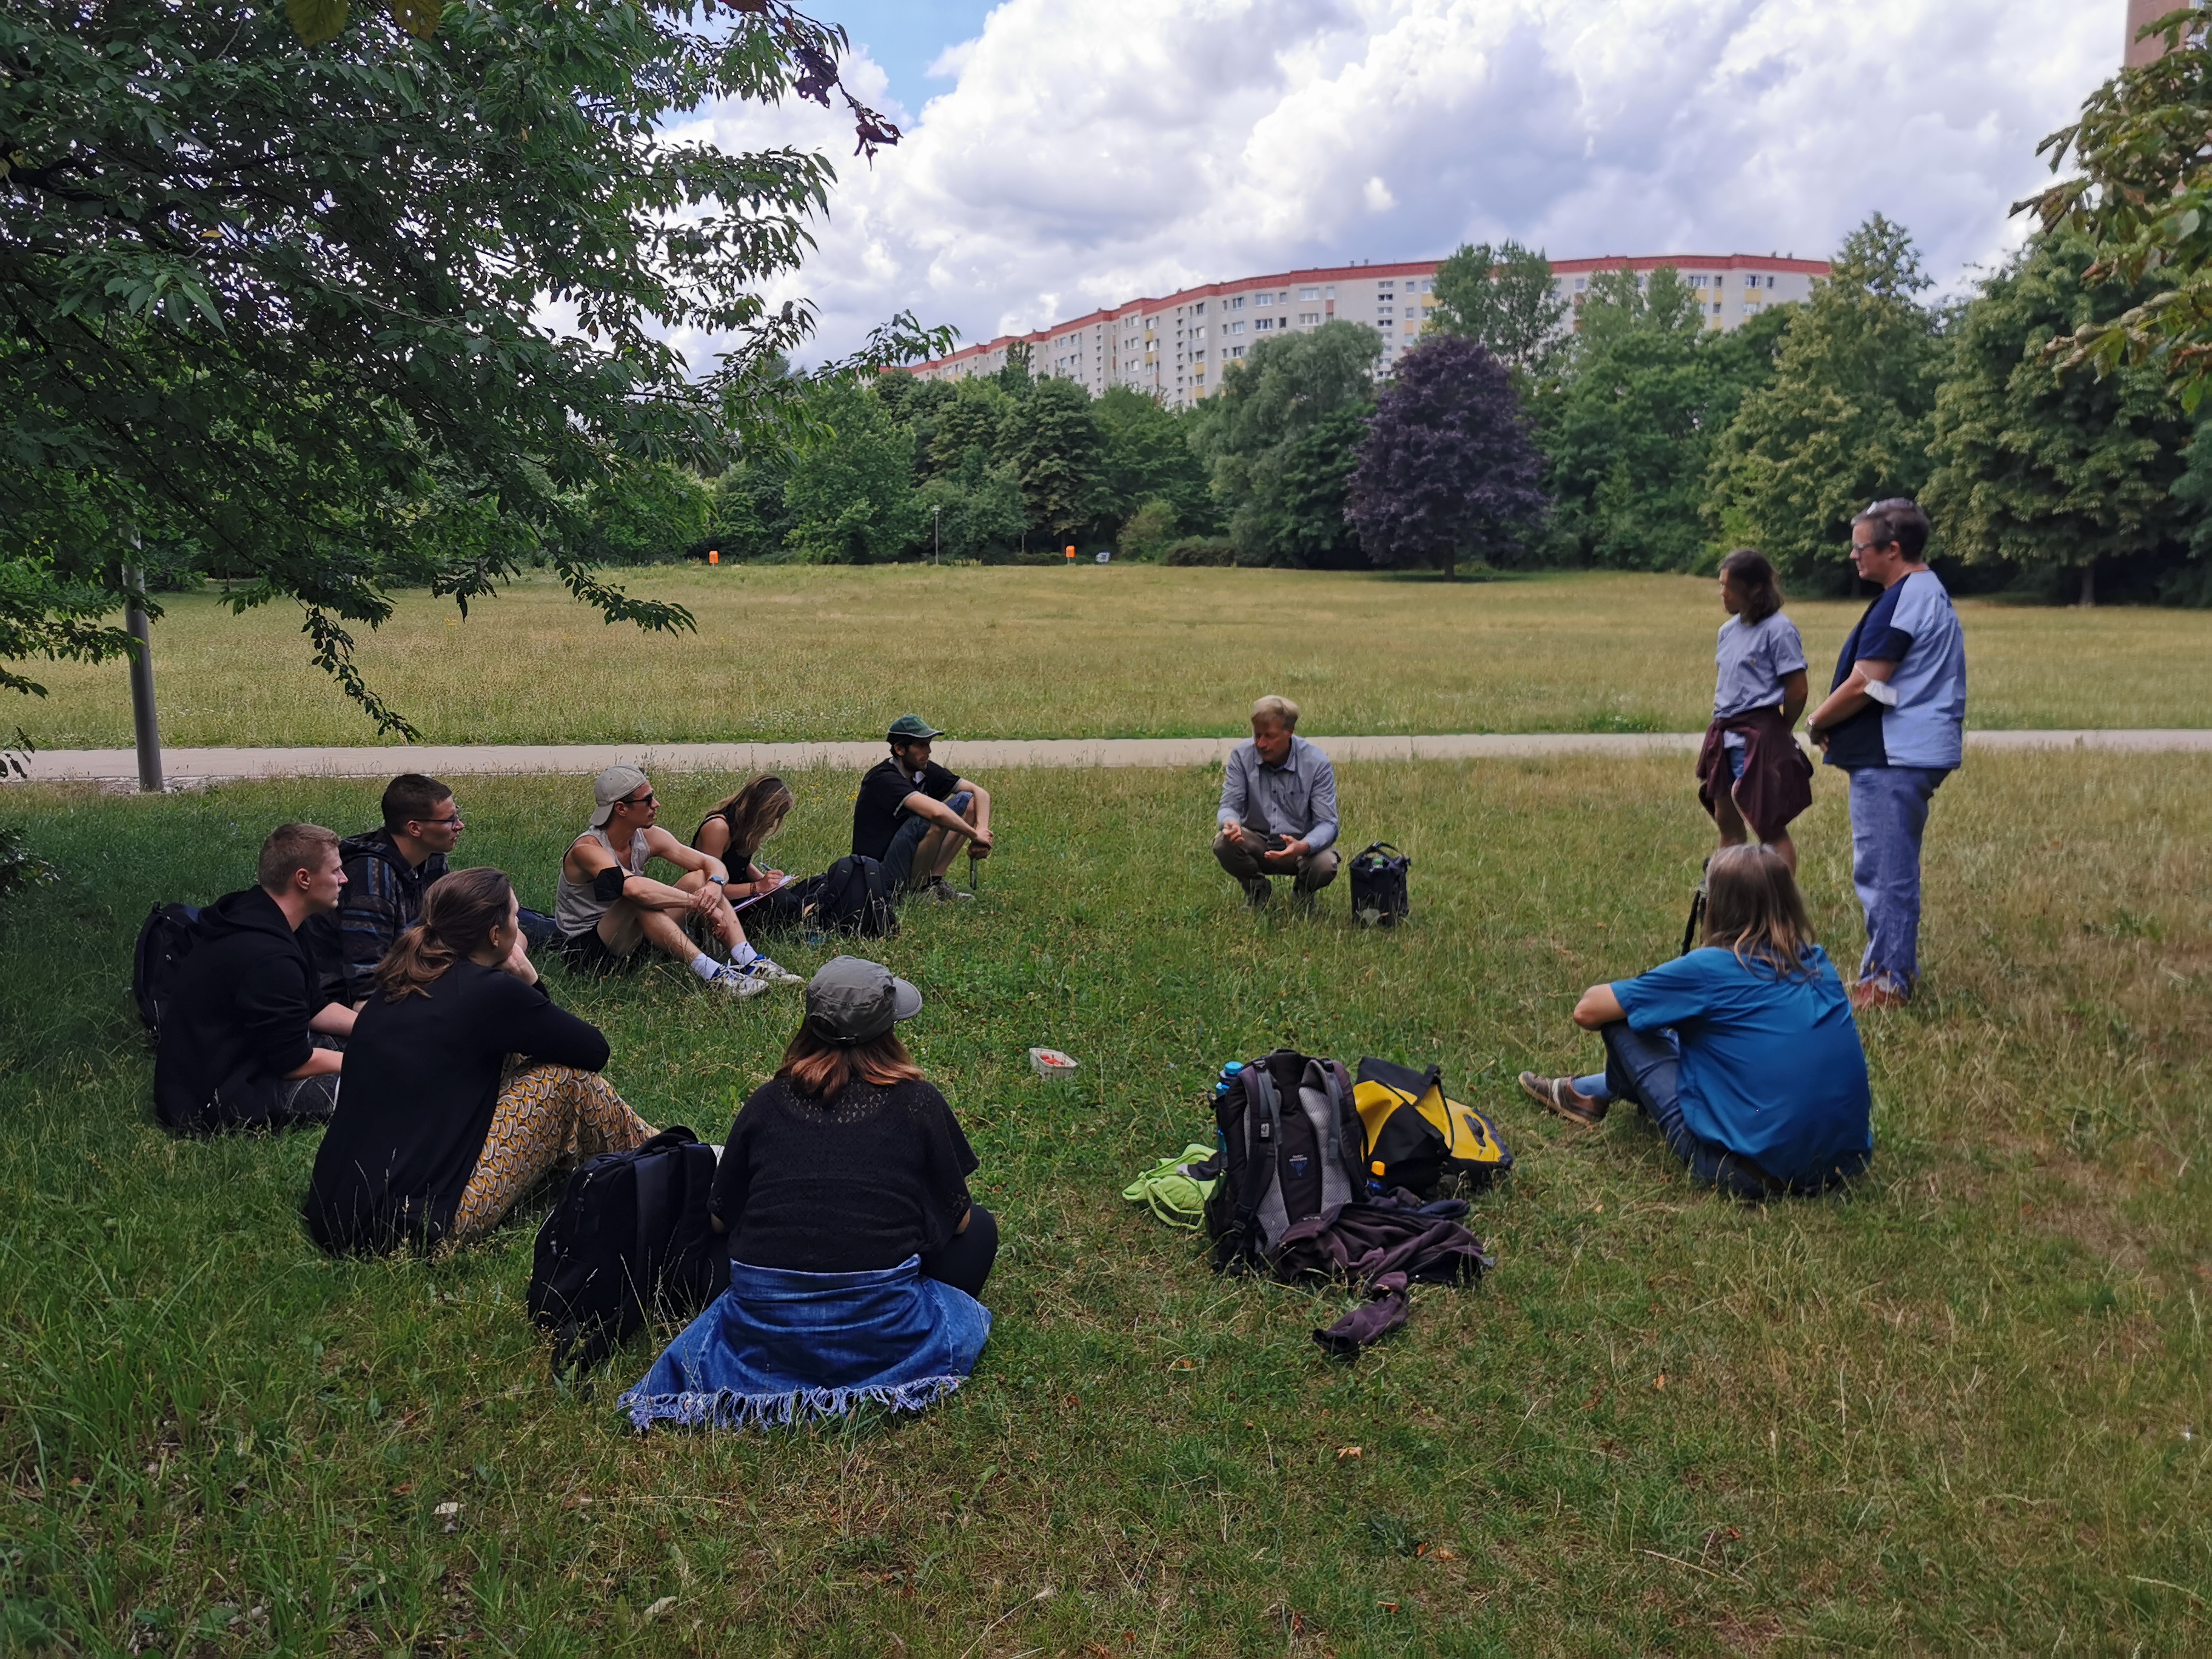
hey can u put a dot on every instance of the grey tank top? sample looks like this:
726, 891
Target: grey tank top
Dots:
576, 907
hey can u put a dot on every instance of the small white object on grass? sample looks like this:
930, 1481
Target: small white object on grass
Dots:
1051, 1064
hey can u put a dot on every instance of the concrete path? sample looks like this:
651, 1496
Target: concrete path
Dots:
194, 766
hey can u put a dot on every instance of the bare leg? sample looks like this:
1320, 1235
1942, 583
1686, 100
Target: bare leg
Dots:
941, 847
1786, 849
1729, 821
722, 921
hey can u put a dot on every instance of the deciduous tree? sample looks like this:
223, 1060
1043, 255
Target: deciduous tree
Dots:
1449, 469
1504, 297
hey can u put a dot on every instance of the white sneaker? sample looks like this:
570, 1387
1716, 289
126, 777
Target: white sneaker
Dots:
768, 973
736, 982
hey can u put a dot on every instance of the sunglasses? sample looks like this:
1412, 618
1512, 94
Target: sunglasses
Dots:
645, 800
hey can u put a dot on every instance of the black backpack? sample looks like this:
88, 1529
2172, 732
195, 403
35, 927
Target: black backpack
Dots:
630, 1233
853, 897
1291, 1147
1378, 886
166, 937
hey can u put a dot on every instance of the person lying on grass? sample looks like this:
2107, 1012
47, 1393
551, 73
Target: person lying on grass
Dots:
607, 909
249, 1042
912, 815
1278, 812
1743, 1052
1751, 770
387, 870
436, 1138
856, 1255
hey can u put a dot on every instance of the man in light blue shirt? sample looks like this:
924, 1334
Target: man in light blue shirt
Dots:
1278, 808
1895, 722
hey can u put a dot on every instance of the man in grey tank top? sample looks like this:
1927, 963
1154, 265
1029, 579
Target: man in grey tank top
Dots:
608, 909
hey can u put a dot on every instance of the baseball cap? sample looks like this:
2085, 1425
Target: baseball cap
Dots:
614, 784
851, 999
913, 728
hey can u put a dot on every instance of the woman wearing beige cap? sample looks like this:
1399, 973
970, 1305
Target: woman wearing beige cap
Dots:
855, 1251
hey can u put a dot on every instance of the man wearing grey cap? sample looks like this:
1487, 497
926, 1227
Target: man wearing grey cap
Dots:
607, 909
912, 814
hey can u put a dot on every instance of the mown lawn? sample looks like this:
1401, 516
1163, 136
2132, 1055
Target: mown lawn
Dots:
1963, 1407
784, 652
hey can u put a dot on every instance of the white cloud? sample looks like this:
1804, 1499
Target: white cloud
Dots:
1085, 155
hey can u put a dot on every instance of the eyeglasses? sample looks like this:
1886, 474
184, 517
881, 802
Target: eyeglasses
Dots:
440, 823
645, 800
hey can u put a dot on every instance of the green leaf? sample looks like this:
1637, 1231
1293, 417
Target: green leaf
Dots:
315, 20
419, 18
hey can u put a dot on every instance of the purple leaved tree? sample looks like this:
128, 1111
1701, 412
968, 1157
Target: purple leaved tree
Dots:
1448, 468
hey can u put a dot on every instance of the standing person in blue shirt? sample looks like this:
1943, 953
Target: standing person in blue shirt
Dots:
1895, 722
1744, 1052
1750, 770
1278, 812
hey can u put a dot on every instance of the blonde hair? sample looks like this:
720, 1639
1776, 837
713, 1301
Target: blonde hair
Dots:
290, 849
1281, 710
1754, 908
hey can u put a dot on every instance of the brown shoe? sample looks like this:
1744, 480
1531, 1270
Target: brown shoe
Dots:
1557, 1094
1867, 997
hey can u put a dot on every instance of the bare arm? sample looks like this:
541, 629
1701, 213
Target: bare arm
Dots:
1793, 696
937, 813
332, 1019
1599, 1006
1847, 699
320, 1063
662, 845
983, 802
589, 859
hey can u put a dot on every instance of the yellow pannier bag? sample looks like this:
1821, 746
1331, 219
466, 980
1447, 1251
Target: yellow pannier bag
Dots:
1419, 1138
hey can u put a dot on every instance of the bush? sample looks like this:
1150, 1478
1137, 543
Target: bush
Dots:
1150, 532
1200, 551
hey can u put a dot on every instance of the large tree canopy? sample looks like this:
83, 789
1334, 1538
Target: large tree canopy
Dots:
1449, 469
382, 311
1504, 297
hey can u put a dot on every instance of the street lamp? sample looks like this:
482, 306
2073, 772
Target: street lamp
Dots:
936, 543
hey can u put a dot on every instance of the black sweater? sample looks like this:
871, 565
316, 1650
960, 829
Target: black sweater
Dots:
239, 1022
422, 1078
850, 1185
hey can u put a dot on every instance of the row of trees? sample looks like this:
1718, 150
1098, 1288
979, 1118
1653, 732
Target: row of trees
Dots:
1657, 442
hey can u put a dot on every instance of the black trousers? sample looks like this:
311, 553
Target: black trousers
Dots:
965, 1262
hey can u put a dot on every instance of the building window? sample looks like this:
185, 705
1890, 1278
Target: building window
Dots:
1237, 303
1309, 294
1581, 283
1428, 287
1263, 299
1260, 326
1330, 291
1237, 351
1236, 328
1198, 310
1310, 318
1751, 307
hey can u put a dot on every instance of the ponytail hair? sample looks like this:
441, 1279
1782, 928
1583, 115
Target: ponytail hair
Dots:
459, 914
1756, 585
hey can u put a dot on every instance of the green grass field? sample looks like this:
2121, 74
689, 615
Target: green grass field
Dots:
1129, 651
1962, 1409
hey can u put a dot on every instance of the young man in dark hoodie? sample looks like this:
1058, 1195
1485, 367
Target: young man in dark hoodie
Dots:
237, 1048
386, 870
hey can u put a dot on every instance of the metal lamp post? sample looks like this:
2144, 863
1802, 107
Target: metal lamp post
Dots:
936, 541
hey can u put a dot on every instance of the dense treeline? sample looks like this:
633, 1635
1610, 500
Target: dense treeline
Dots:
1658, 442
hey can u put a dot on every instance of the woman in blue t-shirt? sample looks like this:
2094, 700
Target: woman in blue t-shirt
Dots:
1750, 769
1743, 1052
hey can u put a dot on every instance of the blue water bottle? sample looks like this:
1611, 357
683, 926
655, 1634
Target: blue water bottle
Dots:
1228, 1076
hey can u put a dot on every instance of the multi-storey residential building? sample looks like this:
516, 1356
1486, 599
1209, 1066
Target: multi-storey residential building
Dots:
1177, 347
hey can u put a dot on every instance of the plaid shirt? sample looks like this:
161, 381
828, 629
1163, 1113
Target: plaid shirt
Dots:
382, 899
1297, 799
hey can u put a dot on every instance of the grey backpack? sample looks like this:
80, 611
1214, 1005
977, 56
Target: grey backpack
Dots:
1290, 1148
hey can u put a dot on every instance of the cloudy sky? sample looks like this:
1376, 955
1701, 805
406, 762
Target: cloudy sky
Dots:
1061, 156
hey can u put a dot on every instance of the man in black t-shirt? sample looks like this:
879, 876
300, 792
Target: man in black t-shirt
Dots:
912, 814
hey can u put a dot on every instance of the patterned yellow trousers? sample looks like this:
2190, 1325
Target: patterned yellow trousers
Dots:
548, 1117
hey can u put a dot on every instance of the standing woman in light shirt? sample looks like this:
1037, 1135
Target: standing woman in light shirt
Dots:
1751, 771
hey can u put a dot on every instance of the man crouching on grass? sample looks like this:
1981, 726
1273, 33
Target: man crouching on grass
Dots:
1278, 812
607, 909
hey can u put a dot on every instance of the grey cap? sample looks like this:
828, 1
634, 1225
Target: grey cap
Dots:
851, 1000
616, 783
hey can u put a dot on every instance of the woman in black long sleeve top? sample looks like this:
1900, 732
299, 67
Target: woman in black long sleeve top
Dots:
431, 1142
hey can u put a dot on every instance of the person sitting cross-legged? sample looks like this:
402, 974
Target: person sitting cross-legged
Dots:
437, 1138
856, 1253
1744, 1052
1278, 814
912, 815
607, 909
248, 1040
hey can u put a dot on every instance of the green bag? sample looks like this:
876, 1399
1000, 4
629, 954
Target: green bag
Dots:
1172, 1192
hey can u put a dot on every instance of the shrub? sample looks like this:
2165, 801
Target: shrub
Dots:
1201, 550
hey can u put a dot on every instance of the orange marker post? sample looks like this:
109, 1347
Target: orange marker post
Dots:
714, 556
1071, 555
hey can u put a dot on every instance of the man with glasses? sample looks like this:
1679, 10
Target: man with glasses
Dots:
385, 873
607, 909
1895, 723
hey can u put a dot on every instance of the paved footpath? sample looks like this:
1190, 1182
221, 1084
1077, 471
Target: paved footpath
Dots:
195, 766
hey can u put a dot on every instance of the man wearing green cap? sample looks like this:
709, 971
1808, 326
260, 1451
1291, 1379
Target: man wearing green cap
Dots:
912, 814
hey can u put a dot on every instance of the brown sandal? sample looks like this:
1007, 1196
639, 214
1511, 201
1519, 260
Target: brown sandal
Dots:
1557, 1094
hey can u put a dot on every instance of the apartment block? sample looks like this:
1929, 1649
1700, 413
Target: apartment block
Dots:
1178, 346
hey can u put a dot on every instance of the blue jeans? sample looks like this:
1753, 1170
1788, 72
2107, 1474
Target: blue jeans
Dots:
1645, 1066
1889, 811
898, 857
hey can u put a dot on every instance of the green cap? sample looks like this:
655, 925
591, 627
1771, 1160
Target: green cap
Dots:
912, 728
